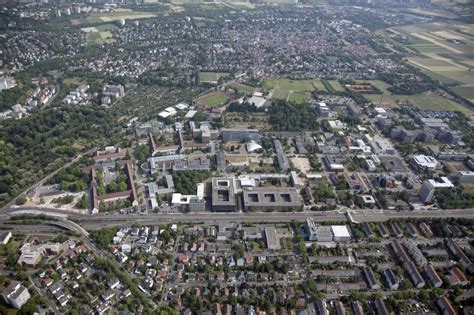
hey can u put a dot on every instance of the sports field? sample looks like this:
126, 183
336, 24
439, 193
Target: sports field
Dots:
213, 99
211, 77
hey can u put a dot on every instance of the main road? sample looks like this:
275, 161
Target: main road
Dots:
369, 215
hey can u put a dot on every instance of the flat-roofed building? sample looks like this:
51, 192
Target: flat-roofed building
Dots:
317, 233
270, 198
273, 243
465, 177
340, 233
429, 186
241, 135
16, 295
424, 162
223, 195
282, 160
5, 237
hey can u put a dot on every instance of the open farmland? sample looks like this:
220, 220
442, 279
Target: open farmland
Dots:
443, 50
465, 91
421, 101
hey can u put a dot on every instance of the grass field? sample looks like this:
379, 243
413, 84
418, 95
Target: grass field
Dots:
214, 99
296, 97
336, 85
280, 94
289, 85
99, 38
319, 85
74, 81
242, 87
211, 77
464, 91
96, 18
106, 27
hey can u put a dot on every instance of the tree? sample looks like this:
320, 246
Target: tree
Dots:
21, 200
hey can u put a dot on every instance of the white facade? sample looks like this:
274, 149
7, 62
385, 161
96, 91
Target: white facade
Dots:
425, 162
16, 295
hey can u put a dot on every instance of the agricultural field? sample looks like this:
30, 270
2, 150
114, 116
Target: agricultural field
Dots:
336, 86
421, 101
213, 99
466, 92
443, 50
211, 77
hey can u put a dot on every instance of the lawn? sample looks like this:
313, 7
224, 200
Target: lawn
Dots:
106, 27
99, 38
211, 77
297, 97
242, 87
280, 94
465, 91
74, 81
214, 99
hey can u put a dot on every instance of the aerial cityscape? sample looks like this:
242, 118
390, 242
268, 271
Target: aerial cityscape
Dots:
244, 157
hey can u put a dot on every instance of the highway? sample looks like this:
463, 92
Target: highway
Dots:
359, 216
